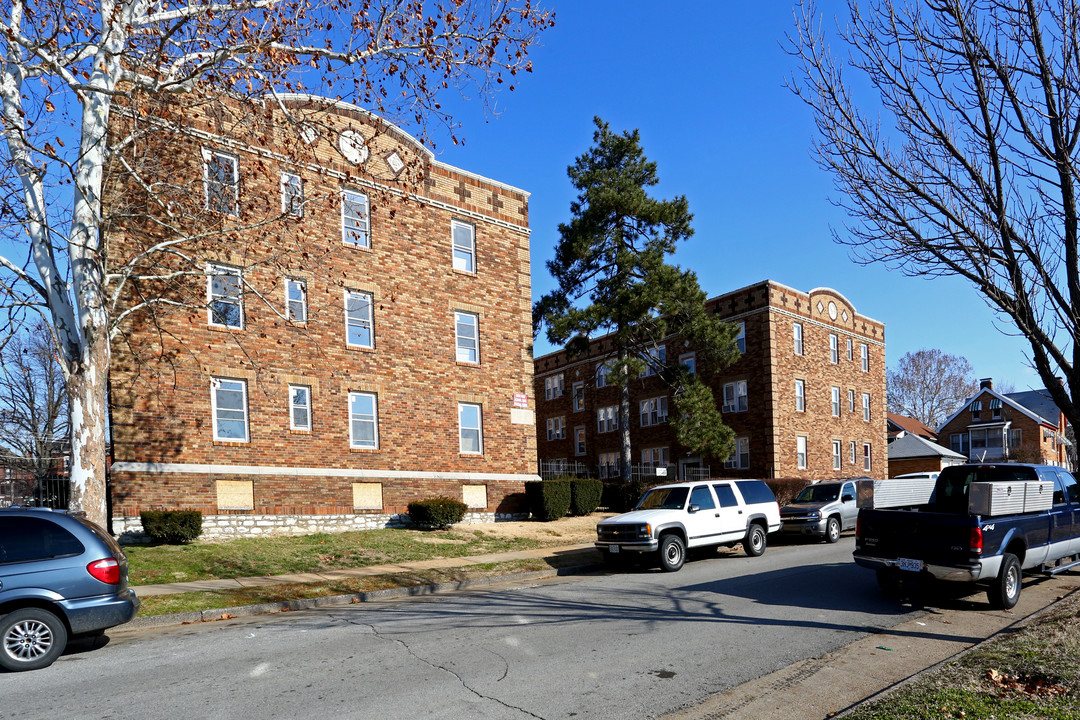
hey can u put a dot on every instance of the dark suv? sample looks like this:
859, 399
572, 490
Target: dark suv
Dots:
60, 576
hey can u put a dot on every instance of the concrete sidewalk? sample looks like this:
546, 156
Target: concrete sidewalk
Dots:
586, 551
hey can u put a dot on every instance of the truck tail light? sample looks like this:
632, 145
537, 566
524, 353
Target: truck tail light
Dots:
976, 543
107, 570
858, 527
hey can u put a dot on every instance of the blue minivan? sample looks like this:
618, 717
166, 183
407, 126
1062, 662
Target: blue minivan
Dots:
61, 576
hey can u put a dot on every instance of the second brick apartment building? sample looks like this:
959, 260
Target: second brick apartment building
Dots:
806, 398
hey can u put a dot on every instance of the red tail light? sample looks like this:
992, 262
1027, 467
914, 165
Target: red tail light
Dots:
976, 543
858, 527
107, 570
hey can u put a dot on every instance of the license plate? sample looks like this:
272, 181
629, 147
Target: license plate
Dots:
613, 549
911, 565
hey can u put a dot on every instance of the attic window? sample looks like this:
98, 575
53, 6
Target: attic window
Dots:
995, 404
976, 406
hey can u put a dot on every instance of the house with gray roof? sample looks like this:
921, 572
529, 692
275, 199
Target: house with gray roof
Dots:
910, 453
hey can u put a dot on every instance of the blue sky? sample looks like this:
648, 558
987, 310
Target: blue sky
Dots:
703, 82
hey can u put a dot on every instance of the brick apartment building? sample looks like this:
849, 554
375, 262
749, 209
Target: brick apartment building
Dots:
806, 399
1021, 426
389, 362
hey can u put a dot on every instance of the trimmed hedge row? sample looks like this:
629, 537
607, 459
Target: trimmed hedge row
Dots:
172, 527
552, 499
437, 512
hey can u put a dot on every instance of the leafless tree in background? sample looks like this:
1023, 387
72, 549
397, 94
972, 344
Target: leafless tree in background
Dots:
929, 385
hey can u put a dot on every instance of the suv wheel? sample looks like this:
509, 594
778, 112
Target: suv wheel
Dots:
32, 638
832, 530
672, 553
754, 544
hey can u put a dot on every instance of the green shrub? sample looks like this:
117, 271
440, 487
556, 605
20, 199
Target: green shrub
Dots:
548, 499
585, 495
172, 527
437, 512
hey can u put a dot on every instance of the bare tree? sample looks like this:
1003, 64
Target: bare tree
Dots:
33, 403
928, 385
88, 88
951, 129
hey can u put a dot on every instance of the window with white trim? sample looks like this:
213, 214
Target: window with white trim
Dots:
740, 455
866, 407
579, 440
797, 331
296, 300
553, 386
653, 411
800, 452
556, 428
1016, 438
292, 194
851, 400
960, 442
355, 219
359, 330
689, 361
364, 420
735, 399
834, 348
835, 401
867, 454
655, 457
602, 371
471, 428
467, 336
225, 296
577, 395
606, 418
800, 396
864, 354
740, 339
655, 358
299, 407
608, 463
221, 182
464, 246
850, 356
228, 403
854, 451
837, 455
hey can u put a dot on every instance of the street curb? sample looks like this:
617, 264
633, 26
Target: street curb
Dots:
200, 616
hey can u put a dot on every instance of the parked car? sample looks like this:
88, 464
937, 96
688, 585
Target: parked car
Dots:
61, 576
822, 510
671, 518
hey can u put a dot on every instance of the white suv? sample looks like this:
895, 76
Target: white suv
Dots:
672, 518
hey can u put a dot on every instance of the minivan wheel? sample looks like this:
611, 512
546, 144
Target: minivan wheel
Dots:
32, 638
832, 530
672, 553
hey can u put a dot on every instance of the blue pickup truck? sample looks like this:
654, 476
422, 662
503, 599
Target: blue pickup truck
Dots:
945, 540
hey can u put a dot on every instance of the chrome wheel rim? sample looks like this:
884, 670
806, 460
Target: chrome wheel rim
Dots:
834, 530
28, 640
757, 539
673, 553
1012, 582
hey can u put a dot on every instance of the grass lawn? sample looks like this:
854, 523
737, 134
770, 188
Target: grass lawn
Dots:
1030, 673
247, 557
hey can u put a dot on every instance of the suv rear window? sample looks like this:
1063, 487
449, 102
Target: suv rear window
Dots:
755, 491
110, 542
23, 539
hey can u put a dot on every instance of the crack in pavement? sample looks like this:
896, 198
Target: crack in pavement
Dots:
429, 663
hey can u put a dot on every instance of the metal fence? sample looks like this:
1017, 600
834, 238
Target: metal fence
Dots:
551, 469
40, 492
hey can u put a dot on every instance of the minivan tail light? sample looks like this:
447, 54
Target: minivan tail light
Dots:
107, 570
976, 543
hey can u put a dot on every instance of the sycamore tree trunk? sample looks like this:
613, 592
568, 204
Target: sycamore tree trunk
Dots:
87, 391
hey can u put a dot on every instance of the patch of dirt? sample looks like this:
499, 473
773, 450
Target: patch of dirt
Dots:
440, 541
567, 530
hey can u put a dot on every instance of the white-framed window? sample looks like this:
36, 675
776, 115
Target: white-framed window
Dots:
355, 219
797, 331
735, 397
1016, 438
228, 404
556, 428
467, 336
359, 325
602, 371
800, 452
296, 300
364, 420
837, 455
849, 351
800, 396
653, 411
960, 442
866, 454
976, 409
655, 358
853, 448
740, 455
292, 194
579, 440
835, 401
577, 395
864, 354
299, 407
689, 361
471, 428
608, 463
221, 182
464, 245
851, 400
553, 386
834, 348
225, 296
866, 407
740, 339
655, 457
606, 418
